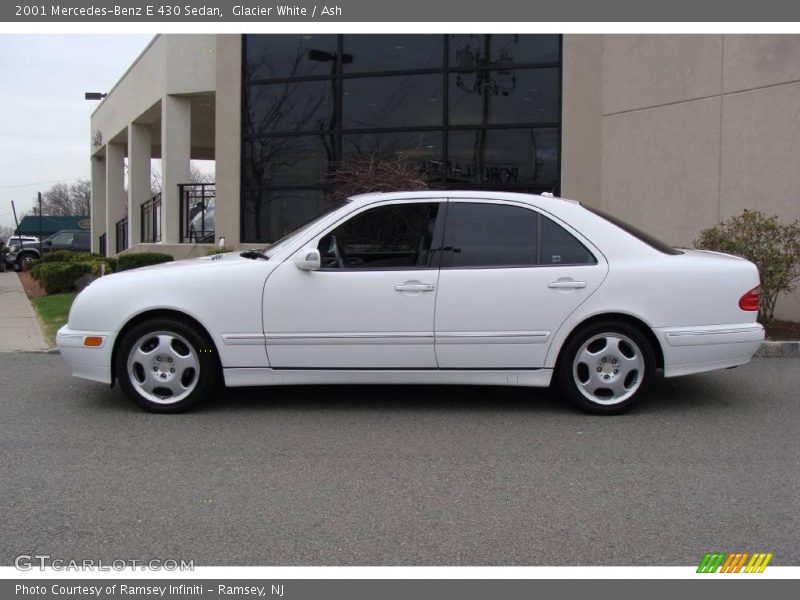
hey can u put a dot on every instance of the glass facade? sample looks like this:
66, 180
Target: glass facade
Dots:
471, 111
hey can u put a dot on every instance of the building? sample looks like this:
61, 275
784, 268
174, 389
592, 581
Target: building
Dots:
670, 132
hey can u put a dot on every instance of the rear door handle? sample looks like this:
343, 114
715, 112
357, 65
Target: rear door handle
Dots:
415, 287
566, 284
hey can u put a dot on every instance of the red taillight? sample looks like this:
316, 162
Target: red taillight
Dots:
751, 299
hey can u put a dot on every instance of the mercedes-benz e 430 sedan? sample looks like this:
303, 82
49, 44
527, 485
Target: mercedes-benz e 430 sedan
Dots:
423, 288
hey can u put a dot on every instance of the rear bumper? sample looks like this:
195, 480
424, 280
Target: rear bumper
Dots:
708, 347
92, 363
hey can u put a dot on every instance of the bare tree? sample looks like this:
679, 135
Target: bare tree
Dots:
196, 175
68, 200
373, 173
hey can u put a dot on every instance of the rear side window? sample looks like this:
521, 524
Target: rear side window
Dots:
642, 236
498, 235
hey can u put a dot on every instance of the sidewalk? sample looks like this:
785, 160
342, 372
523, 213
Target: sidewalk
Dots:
19, 328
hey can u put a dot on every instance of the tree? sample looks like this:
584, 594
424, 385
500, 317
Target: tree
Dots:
68, 200
371, 173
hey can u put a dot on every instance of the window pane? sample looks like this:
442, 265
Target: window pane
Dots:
503, 50
392, 52
498, 97
559, 247
393, 236
283, 56
504, 157
401, 101
289, 160
490, 235
269, 215
422, 149
288, 107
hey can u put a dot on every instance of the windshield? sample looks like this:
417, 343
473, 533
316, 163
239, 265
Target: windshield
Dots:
276, 246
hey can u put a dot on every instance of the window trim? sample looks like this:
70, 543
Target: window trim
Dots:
540, 214
436, 240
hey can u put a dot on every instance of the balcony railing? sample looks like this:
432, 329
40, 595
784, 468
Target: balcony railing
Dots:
151, 220
101, 245
122, 234
197, 212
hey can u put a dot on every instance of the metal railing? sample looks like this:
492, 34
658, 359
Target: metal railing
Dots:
197, 212
122, 234
151, 220
101, 245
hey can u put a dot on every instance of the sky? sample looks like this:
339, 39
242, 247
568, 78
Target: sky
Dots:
44, 128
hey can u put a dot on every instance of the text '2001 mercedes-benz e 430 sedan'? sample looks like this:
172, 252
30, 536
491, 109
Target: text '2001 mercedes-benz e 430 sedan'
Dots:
423, 288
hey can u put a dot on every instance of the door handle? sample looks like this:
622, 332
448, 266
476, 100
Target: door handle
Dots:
566, 284
415, 287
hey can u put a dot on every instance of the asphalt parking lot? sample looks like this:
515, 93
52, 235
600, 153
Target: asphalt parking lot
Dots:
401, 475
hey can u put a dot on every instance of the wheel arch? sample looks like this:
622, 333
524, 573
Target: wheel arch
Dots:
154, 314
632, 320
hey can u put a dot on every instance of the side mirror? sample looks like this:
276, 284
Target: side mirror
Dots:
308, 259
48, 242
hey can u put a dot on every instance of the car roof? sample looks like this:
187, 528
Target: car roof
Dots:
539, 200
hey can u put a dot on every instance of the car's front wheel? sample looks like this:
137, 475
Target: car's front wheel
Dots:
606, 367
164, 365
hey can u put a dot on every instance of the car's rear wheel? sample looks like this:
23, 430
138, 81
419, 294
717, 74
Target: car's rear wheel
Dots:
606, 367
164, 365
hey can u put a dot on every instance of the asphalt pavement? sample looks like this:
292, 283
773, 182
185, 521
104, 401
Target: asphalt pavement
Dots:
401, 475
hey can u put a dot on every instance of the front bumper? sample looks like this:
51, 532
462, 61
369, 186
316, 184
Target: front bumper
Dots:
708, 347
87, 362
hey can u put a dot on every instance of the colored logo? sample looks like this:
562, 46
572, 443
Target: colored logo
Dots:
734, 562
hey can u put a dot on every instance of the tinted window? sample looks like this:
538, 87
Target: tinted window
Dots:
490, 235
279, 56
272, 214
497, 97
498, 235
504, 157
392, 52
637, 233
471, 51
289, 107
559, 247
407, 100
394, 236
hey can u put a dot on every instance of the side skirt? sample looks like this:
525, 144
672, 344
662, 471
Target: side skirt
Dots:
255, 376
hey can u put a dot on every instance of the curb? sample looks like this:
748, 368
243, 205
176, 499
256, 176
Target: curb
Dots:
770, 349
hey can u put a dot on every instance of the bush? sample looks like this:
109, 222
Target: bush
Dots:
65, 256
774, 247
219, 250
57, 277
135, 260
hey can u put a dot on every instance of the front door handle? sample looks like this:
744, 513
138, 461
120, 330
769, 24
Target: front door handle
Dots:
567, 284
414, 287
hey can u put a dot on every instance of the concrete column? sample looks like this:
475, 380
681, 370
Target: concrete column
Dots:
98, 201
228, 140
176, 121
115, 193
139, 142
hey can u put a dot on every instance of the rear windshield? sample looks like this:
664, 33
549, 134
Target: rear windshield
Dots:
635, 232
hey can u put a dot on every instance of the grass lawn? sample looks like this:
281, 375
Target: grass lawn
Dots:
53, 312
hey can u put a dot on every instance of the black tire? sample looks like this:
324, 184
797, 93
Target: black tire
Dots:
629, 376
144, 371
25, 258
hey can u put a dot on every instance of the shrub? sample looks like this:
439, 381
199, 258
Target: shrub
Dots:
66, 256
95, 260
135, 260
774, 247
218, 250
57, 277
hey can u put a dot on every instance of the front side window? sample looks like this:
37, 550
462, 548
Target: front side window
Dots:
499, 235
62, 239
387, 237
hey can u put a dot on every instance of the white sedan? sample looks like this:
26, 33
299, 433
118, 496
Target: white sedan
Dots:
437, 287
